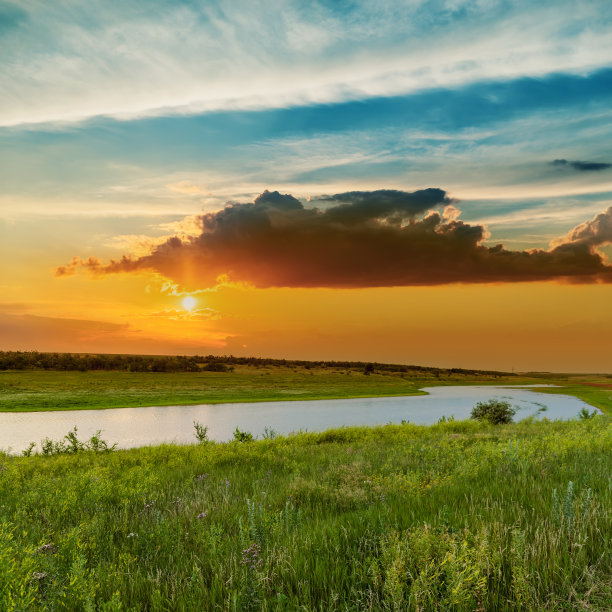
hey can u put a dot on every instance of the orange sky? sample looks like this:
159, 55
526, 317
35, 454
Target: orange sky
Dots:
525, 326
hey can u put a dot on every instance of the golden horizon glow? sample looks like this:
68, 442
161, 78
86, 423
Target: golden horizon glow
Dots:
527, 326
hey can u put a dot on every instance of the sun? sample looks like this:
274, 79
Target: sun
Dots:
189, 303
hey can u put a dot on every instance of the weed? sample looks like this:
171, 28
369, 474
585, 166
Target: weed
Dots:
201, 432
71, 445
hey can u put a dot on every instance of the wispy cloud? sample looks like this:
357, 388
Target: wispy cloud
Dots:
581, 166
183, 315
65, 62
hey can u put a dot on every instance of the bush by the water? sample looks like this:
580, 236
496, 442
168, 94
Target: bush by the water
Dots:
70, 443
461, 515
495, 412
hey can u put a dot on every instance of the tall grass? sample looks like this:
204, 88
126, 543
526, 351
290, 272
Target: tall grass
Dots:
456, 516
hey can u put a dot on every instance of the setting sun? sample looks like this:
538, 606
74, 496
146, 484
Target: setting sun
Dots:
189, 303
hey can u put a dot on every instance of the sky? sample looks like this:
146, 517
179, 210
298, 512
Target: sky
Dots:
418, 182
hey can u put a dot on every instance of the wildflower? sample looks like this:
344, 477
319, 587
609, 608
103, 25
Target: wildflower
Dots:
201, 515
250, 557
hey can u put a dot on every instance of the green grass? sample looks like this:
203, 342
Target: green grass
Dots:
38, 390
600, 397
457, 516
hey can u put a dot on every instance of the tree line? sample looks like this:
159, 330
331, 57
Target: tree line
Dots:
34, 360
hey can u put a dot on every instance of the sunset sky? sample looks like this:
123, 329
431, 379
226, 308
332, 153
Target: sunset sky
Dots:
421, 182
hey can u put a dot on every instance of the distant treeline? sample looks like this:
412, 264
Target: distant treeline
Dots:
371, 366
33, 360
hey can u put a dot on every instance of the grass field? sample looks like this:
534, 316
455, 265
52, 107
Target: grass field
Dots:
591, 390
457, 516
54, 390
39, 390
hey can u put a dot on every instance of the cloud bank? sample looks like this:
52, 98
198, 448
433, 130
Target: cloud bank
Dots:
358, 239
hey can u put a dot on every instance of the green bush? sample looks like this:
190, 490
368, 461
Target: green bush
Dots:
495, 412
585, 415
243, 436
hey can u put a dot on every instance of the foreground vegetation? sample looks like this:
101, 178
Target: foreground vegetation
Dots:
457, 516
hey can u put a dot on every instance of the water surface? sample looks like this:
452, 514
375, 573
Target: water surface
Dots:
131, 427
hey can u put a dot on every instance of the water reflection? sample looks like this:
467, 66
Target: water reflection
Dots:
131, 427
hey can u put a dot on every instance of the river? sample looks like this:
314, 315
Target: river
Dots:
130, 427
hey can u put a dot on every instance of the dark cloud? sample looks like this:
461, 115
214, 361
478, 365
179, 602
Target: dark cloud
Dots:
581, 166
367, 239
358, 206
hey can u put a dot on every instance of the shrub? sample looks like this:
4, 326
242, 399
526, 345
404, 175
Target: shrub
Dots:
494, 411
242, 436
216, 366
201, 432
585, 415
71, 445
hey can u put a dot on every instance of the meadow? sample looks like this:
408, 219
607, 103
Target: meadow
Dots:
40, 390
58, 390
456, 516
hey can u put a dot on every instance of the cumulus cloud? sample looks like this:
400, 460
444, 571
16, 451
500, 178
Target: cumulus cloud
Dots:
360, 239
581, 166
593, 233
355, 207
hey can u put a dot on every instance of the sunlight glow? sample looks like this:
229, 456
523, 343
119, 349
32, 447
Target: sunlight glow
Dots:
189, 303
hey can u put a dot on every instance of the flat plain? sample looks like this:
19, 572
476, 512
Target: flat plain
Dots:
39, 390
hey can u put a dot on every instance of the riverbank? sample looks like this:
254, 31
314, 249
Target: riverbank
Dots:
460, 514
36, 390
